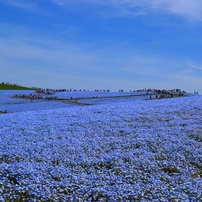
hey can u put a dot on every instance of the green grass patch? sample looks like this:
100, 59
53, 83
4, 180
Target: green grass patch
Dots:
4, 86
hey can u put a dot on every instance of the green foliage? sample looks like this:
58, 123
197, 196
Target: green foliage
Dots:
170, 170
4, 86
199, 172
197, 136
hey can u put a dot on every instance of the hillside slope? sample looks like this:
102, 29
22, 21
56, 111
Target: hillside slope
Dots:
4, 86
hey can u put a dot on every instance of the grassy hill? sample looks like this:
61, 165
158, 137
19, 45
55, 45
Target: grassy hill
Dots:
4, 86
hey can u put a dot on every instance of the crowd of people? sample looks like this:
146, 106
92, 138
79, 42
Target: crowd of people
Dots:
159, 94
3, 112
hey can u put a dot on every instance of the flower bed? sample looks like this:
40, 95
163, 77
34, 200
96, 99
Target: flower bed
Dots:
143, 150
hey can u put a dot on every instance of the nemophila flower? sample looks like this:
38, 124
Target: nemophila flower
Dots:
116, 151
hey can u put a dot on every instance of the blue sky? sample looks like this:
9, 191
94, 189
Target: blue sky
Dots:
93, 44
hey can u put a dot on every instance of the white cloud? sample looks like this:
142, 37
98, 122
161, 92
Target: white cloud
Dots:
195, 66
26, 5
42, 62
189, 9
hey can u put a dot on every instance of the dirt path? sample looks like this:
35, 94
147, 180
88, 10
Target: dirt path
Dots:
75, 102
